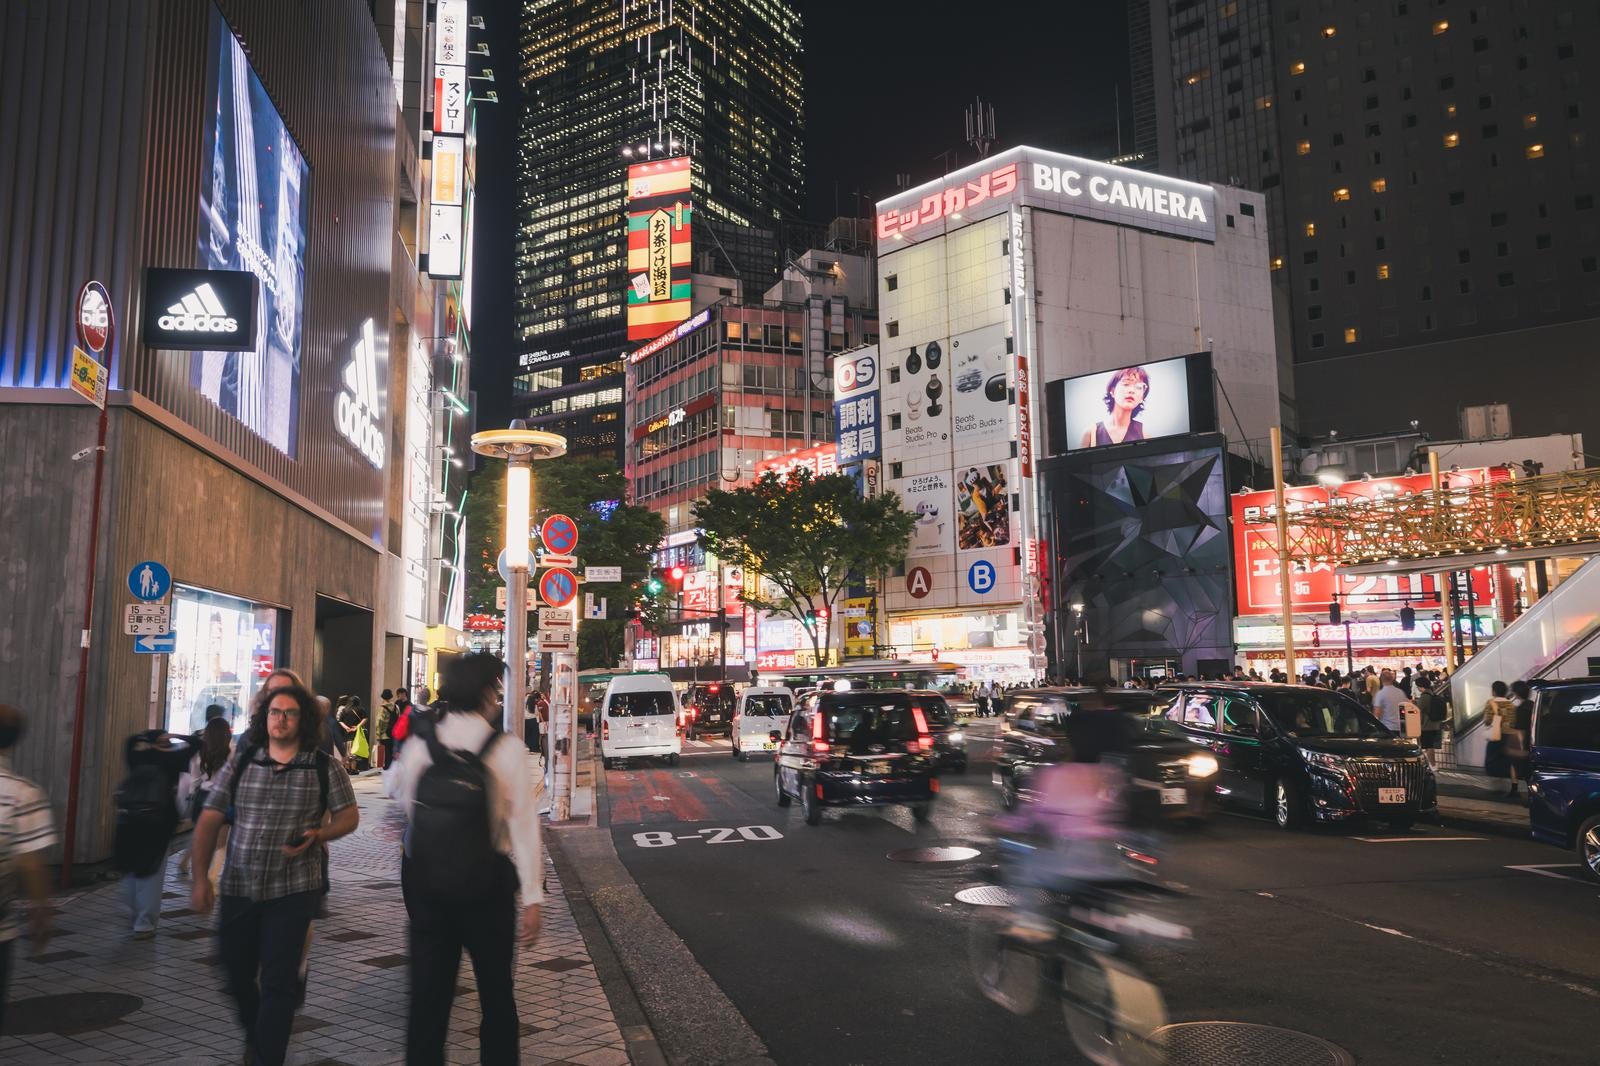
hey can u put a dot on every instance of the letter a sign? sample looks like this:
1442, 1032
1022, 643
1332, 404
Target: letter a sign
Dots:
919, 582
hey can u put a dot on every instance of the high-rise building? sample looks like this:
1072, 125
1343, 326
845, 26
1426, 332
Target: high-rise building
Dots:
1430, 174
608, 83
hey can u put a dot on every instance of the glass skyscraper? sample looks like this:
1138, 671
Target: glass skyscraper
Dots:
607, 83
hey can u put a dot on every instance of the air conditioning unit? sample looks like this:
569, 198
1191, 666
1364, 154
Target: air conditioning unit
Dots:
1489, 421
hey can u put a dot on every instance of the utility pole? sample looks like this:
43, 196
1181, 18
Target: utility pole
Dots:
1285, 577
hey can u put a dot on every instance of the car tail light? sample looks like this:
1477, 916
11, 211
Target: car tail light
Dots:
924, 742
818, 745
819, 792
605, 729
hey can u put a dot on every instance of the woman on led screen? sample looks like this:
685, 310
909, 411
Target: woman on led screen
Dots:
1126, 392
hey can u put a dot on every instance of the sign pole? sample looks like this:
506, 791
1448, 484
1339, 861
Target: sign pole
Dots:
75, 772
1285, 577
516, 636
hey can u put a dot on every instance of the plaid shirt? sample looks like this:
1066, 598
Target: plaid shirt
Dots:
25, 825
273, 803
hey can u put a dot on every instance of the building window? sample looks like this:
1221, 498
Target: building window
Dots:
1534, 151
734, 330
1309, 257
1588, 264
1464, 286
1383, 271
892, 281
1317, 340
1380, 185
1329, 32
1297, 68
1263, 103
1248, 209
1277, 262
1228, 10
1195, 77
1458, 197
1311, 229
1440, 26
1349, 334
1582, 203
1303, 148
1452, 139
1497, 218
1505, 279
894, 329
1542, 241
1530, 120
1341, 194
1464, 255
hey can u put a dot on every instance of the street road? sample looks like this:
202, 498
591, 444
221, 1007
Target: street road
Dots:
1430, 946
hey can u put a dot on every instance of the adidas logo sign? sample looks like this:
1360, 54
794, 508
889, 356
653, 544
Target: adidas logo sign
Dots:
199, 312
356, 411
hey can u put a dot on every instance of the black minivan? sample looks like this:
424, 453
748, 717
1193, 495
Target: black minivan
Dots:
856, 749
1302, 754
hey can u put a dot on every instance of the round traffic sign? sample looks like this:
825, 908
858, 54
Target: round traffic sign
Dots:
94, 317
149, 581
559, 534
919, 582
558, 587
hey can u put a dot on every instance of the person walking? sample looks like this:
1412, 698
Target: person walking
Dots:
530, 721
194, 785
1518, 740
402, 720
1388, 700
385, 745
289, 800
147, 817
26, 833
1499, 718
472, 842
1430, 705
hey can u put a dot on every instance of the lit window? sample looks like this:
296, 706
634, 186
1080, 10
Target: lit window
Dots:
1534, 151
1383, 271
1303, 148
1329, 31
1263, 103
1349, 334
1197, 76
1452, 139
1380, 185
1297, 68
1311, 229
1440, 26
1277, 262
1530, 120
1341, 194
1450, 110
1228, 10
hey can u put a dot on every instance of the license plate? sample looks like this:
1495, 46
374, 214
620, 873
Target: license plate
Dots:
879, 767
1174, 797
1391, 795
769, 745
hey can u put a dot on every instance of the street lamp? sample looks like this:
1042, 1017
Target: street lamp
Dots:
1081, 631
519, 446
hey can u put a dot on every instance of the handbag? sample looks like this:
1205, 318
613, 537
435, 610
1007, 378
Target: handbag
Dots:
1495, 728
359, 746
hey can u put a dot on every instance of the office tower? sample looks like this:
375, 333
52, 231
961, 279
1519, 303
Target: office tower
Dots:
609, 83
1429, 173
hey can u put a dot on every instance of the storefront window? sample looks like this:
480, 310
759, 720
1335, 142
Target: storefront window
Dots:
225, 648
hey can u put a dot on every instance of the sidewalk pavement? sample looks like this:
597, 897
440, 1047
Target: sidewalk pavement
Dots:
97, 996
1474, 800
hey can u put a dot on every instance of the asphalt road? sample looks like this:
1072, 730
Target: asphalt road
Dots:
1425, 947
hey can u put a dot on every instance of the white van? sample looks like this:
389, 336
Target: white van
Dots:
761, 710
639, 718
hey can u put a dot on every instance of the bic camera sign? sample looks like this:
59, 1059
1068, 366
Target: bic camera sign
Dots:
357, 413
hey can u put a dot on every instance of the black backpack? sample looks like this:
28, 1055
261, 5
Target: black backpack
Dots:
145, 796
450, 847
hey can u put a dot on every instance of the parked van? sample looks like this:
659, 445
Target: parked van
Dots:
1564, 789
762, 708
639, 718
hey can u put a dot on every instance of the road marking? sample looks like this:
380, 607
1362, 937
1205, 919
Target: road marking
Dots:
1391, 932
1544, 870
743, 834
1410, 840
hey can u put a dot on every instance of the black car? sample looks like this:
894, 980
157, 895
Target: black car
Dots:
1302, 754
1174, 772
708, 709
856, 749
1564, 788
949, 740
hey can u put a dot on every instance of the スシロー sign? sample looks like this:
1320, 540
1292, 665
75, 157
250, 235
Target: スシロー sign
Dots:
200, 310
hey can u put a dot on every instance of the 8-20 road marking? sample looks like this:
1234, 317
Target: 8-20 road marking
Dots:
756, 833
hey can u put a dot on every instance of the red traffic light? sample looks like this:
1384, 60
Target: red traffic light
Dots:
822, 613
676, 573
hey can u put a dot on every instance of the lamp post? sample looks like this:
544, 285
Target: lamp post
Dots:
1081, 631
519, 446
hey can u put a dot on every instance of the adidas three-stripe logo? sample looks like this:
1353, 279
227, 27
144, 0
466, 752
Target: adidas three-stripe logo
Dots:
361, 375
356, 410
199, 312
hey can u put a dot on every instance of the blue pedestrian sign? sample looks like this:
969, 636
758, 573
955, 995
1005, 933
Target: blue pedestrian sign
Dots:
981, 576
149, 581
164, 644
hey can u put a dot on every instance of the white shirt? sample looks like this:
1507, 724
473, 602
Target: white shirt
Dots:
514, 803
1386, 704
25, 825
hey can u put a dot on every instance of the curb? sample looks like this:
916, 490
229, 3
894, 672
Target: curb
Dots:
1499, 827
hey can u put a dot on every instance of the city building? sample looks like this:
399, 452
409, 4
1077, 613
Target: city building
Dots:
1062, 529
738, 387
213, 210
1429, 172
609, 85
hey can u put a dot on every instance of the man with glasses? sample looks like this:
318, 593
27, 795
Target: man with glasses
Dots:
282, 789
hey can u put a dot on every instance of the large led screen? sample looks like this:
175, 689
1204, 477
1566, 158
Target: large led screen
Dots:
1127, 404
253, 216
660, 240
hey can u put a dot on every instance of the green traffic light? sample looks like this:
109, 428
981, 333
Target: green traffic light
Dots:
654, 586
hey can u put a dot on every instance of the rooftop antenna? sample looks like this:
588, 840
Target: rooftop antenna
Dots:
980, 126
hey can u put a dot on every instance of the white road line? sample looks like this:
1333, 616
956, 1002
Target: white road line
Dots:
1391, 932
1409, 840
1544, 870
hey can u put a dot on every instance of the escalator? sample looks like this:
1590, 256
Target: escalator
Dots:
1556, 637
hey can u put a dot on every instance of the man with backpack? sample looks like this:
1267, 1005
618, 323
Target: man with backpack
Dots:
281, 788
147, 816
473, 840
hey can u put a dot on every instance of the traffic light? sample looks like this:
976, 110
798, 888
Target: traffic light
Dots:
1333, 612
675, 575
822, 613
654, 586
1408, 618
811, 619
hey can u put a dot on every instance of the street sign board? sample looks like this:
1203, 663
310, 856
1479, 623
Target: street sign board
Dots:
501, 598
594, 607
602, 573
557, 639
146, 619
149, 581
89, 377
549, 559
95, 318
558, 587
161, 644
557, 618
559, 534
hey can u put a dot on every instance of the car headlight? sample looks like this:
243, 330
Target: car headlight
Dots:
1323, 760
957, 738
1201, 764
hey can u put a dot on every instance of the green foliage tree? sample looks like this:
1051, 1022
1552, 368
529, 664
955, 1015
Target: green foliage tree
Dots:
809, 536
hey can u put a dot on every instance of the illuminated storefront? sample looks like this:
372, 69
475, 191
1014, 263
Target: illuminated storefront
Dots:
225, 647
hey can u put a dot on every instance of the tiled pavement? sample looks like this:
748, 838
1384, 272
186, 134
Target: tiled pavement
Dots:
162, 1000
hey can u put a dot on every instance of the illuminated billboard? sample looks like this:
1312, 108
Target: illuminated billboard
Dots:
254, 216
1131, 403
660, 220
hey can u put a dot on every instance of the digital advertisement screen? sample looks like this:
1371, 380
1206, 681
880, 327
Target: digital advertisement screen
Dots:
1126, 405
660, 240
225, 647
253, 216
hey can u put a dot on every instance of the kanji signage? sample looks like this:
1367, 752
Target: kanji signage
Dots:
660, 227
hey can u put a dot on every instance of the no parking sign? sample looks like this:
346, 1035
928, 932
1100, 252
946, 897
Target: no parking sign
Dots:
558, 587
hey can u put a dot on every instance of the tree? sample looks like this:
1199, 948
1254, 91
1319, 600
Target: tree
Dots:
809, 536
610, 533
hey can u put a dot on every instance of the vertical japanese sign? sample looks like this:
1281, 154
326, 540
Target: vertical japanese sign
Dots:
660, 223
446, 217
450, 67
855, 406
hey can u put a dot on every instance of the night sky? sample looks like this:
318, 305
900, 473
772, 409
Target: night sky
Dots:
886, 85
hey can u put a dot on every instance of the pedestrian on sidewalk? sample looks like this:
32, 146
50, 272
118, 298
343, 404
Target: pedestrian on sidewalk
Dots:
402, 720
1388, 701
194, 785
1432, 709
26, 832
385, 746
147, 817
473, 840
282, 789
1519, 740
530, 721
1499, 719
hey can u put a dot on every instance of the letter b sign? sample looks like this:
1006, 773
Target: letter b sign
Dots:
981, 576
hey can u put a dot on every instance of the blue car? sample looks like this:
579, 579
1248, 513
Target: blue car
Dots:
1564, 788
